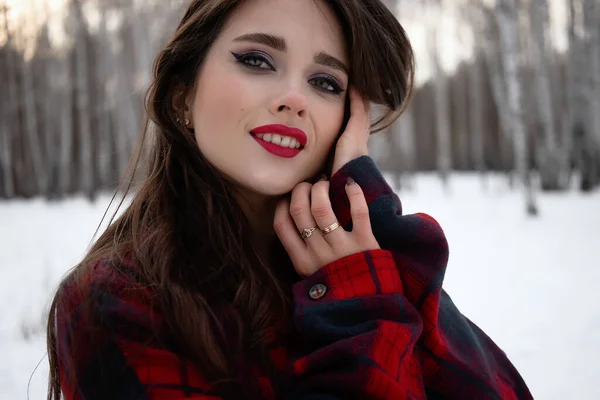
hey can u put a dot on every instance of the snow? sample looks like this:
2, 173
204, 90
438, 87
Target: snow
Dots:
529, 283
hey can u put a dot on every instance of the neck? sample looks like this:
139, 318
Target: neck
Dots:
260, 211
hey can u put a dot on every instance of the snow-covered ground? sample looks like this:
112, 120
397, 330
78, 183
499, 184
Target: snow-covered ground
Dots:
529, 283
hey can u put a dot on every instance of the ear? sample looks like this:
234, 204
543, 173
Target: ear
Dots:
182, 102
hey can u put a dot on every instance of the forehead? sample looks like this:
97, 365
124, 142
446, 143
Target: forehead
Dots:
304, 24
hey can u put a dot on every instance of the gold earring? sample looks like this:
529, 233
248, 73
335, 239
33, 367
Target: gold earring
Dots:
187, 122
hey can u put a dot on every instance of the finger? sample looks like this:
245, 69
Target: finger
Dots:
356, 134
302, 216
359, 112
353, 142
359, 210
323, 213
286, 231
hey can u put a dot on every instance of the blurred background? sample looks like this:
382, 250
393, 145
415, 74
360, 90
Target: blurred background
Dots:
500, 143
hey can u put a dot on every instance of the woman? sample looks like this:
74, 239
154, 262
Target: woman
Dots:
234, 273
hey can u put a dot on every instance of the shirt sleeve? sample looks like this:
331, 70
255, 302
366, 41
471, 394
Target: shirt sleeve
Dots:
107, 348
458, 360
359, 330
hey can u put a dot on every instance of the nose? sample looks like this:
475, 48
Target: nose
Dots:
293, 102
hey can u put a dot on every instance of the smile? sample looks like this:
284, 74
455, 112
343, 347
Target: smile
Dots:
278, 150
280, 140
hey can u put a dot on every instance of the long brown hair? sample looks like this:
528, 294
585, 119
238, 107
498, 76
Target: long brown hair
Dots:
186, 233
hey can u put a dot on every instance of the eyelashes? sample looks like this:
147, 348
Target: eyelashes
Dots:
327, 84
260, 62
254, 60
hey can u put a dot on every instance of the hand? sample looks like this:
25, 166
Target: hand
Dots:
353, 141
310, 207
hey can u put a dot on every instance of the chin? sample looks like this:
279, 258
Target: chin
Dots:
273, 188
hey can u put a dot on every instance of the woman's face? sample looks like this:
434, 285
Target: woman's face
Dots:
281, 63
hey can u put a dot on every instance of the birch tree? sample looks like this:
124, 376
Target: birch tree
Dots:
573, 119
475, 82
36, 171
8, 120
403, 137
579, 127
82, 100
65, 124
103, 54
142, 45
507, 19
442, 109
487, 33
591, 166
550, 159
6, 189
125, 111
45, 65
459, 116
476, 129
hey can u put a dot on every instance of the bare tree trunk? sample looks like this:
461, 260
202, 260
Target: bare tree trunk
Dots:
491, 47
103, 55
442, 112
124, 105
50, 108
82, 101
142, 43
51, 144
124, 102
577, 122
508, 29
8, 120
459, 117
552, 172
572, 107
404, 138
476, 117
65, 97
475, 85
6, 189
591, 167
39, 180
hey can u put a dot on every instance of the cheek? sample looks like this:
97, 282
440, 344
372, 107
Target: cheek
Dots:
329, 123
220, 100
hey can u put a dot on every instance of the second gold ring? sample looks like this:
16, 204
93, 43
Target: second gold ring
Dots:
331, 228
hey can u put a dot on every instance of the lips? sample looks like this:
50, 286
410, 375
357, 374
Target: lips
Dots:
280, 151
282, 130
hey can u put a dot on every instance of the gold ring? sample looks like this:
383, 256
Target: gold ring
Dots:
331, 228
306, 233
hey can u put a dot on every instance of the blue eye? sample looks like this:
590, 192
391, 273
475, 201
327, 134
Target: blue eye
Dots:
253, 60
326, 84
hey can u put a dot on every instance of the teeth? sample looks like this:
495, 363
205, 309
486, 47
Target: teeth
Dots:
283, 141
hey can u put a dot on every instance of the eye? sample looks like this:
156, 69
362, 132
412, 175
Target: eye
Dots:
253, 60
326, 84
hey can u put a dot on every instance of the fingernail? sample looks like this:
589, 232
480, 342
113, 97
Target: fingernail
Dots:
323, 177
350, 181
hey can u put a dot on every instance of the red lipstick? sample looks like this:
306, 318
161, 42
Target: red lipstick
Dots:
282, 130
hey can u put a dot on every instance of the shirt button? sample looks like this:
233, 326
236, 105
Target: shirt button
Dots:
317, 291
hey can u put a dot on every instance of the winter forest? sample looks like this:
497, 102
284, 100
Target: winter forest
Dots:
500, 142
510, 86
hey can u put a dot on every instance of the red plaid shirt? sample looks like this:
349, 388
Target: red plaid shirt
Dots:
377, 326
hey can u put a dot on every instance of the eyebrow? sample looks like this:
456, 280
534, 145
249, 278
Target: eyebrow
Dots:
279, 44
